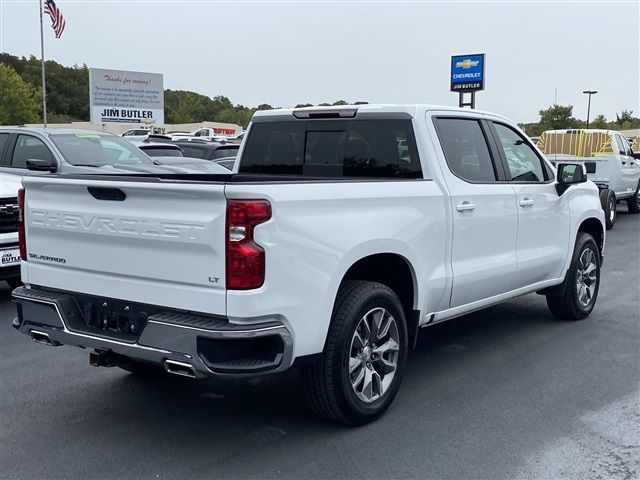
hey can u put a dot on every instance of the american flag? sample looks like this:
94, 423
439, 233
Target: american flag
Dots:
57, 20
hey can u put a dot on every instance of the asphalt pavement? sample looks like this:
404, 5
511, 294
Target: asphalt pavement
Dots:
508, 392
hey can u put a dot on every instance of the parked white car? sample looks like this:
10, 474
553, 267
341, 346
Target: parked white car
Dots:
205, 133
611, 164
345, 230
136, 133
9, 251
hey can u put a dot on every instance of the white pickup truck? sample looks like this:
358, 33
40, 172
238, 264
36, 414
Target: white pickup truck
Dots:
610, 162
340, 233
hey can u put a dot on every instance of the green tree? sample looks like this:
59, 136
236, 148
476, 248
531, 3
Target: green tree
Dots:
599, 122
188, 107
625, 116
340, 102
557, 117
302, 105
18, 100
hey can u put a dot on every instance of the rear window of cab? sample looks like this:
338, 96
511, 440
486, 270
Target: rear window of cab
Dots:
335, 148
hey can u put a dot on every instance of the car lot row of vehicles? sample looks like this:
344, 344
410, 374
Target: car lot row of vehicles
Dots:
204, 133
339, 234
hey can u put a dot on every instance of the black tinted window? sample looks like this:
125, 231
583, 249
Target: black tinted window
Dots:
225, 152
3, 141
28, 147
194, 152
352, 148
465, 149
162, 152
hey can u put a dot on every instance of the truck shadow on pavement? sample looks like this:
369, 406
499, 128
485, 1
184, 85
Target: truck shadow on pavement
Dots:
185, 405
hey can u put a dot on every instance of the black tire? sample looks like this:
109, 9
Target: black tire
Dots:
568, 306
14, 282
633, 203
327, 383
142, 369
608, 202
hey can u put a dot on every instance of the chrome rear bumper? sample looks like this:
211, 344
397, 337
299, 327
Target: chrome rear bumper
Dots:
178, 337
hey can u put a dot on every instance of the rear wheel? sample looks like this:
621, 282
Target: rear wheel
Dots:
360, 371
633, 204
581, 285
608, 202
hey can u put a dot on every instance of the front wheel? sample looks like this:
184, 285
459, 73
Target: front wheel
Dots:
608, 202
581, 284
359, 373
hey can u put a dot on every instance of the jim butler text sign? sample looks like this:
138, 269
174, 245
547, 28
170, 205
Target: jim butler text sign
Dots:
467, 73
126, 97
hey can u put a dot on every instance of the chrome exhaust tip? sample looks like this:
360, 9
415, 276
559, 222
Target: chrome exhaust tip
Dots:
179, 368
43, 338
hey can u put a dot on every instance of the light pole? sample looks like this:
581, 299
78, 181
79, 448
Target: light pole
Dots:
589, 92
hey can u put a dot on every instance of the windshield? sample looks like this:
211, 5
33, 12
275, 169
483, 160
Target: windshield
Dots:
96, 150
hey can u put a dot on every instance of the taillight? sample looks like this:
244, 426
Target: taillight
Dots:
245, 258
22, 237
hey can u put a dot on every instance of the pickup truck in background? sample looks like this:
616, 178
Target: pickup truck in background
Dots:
340, 233
610, 162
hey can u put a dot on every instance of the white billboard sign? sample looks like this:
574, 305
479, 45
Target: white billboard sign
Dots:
118, 96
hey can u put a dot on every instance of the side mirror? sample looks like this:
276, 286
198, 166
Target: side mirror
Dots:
570, 174
41, 165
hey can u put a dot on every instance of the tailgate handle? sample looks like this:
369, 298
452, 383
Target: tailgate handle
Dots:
107, 193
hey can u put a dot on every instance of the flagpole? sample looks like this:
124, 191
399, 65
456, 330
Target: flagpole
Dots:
44, 85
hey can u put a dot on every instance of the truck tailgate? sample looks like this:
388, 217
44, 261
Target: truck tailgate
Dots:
153, 242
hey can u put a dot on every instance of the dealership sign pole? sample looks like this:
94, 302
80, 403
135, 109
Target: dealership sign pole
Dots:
44, 84
467, 75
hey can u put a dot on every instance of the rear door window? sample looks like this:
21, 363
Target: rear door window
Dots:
321, 148
465, 149
29, 147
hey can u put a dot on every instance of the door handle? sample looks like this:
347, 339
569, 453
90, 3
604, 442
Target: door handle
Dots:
465, 207
526, 202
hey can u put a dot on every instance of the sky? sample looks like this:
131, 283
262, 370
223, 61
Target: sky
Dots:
284, 53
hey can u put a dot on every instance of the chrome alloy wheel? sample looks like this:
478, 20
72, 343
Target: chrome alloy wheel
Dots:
586, 277
374, 354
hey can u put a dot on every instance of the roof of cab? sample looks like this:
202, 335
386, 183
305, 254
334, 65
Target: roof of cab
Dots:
410, 109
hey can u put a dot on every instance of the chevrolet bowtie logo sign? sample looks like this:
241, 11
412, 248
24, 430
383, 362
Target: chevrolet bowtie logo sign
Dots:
467, 63
467, 72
